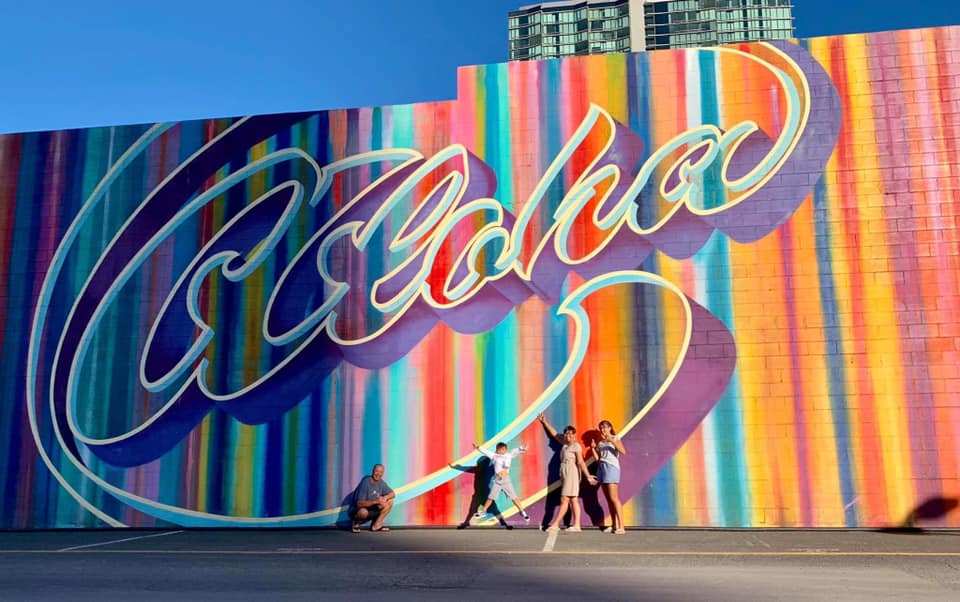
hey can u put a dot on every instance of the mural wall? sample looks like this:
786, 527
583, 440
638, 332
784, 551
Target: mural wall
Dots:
744, 257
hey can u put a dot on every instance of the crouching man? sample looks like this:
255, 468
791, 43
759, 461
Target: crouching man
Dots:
372, 500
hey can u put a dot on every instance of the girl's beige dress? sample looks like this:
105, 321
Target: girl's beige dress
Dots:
569, 473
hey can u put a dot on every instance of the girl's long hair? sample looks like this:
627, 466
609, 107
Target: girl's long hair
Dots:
609, 424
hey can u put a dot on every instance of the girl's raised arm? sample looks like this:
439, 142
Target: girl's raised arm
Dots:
550, 430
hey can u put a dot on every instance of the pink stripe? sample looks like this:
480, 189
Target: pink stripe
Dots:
463, 111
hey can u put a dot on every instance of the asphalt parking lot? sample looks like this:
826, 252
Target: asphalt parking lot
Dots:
479, 564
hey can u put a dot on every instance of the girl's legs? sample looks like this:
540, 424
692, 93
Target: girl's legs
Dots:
613, 512
576, 513
616, 508
564, 505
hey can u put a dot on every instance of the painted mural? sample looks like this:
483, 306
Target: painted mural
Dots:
745, 258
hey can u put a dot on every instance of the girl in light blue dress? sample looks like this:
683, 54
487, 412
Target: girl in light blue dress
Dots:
607, 452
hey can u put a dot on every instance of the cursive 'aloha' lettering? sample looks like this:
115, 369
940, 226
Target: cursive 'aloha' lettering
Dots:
460, 257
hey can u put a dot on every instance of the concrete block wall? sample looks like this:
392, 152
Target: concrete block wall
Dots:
745, 258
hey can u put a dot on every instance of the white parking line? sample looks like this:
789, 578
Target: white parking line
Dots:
104, 543
551, 540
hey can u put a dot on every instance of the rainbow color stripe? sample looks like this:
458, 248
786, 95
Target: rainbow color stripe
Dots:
842, 409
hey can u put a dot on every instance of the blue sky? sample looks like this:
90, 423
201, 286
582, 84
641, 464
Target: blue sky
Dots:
78, 63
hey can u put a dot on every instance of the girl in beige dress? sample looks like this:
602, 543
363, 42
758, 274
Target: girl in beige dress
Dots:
571, 467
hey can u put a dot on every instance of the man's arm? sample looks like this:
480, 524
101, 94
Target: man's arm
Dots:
361, 503
357, 502
390, 494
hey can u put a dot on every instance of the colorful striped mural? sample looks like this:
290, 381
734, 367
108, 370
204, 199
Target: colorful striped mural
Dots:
743, 257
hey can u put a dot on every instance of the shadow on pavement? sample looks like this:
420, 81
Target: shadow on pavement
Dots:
482, 478
933, 509
314, 564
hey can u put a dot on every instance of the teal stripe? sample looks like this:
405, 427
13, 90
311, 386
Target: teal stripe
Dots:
98, 158
501, 342
400, 409
714, 259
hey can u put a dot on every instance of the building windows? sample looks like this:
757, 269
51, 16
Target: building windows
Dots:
600, 26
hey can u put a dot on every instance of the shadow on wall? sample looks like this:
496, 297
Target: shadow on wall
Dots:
552, 500
590, 494
932, 509
482, 478
594, 511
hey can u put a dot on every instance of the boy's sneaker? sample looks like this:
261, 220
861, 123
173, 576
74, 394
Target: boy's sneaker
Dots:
480, 515
525, 516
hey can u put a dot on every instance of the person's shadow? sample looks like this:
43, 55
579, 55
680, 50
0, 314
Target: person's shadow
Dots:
931, 509
591, 494
343, 520
552, 501
482, 479
588, 493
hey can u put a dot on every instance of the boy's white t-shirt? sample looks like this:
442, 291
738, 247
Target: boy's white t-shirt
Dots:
501, 462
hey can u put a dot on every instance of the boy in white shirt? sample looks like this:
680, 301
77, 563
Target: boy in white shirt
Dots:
501, 477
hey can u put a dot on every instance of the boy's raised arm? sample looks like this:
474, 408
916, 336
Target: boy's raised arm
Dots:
518, 450
487, 453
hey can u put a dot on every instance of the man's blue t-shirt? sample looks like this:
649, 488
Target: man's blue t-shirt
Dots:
368, 491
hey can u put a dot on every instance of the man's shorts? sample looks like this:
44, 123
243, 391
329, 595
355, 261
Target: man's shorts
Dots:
372, 513
503, 484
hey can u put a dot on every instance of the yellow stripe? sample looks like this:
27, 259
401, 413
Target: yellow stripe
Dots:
883, 352
202, 464
203, 477
689, 502
245, 465
822, 464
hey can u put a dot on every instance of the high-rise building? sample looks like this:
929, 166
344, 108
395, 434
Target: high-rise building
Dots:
576, 27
